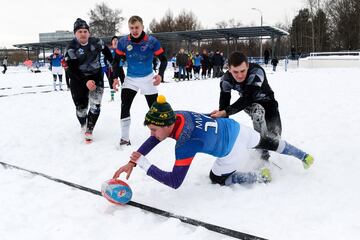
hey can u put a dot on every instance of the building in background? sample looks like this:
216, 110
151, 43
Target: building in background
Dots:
56, 36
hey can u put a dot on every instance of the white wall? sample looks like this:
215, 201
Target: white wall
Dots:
330, 61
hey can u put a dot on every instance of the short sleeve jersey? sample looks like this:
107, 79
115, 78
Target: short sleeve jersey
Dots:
139, 56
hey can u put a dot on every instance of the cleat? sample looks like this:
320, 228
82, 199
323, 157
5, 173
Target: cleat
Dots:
124, 143
88, 137
265, 175
307, 161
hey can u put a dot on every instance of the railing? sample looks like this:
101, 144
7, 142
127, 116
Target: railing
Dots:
327, 54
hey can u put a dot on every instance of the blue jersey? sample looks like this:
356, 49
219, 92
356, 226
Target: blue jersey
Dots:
193, 133
139, 56
197, 61
204, 134
55, 60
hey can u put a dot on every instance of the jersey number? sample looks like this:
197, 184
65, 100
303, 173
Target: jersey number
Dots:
211, 124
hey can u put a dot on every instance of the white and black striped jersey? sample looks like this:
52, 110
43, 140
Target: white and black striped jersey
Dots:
84, 60
255, 89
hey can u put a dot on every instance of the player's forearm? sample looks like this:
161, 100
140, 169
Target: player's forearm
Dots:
172, 179
224, 101
117, 69
148, 145
107, 53
163, 64
237, 106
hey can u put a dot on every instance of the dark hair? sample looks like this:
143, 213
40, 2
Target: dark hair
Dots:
114, 37
134, 19
236, 59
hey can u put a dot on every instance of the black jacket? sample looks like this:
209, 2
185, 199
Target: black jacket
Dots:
274, 62
84, 61
205, 62
181, 59
218, 60
255, 89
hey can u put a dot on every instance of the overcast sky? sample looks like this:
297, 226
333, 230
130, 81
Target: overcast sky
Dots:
22, 21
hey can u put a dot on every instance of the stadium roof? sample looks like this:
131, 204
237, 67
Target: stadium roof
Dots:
222, 33
197, 35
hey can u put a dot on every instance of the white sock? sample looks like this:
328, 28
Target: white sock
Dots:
125, 128
281, 146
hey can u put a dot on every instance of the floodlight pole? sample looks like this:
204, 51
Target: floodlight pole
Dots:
261, 24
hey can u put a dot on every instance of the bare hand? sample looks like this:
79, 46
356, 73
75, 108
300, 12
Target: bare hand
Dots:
126, 168
116, 84
90, 84
218, 114
157, 80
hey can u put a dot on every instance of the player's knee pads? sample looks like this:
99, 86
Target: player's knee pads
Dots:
81, 111
257, 112
95, 108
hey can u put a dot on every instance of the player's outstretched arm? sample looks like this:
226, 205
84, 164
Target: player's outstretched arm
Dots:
127, 168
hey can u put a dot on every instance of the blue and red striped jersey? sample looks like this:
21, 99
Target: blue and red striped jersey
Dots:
139, 56
194, 133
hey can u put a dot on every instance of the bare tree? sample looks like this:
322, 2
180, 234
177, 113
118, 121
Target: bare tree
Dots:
222, 24
313, 6
234, 23
183, 22
231, 23
104, 21
166, 24
186, 21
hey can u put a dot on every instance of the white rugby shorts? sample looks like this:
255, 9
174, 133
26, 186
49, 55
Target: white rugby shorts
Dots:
145, 84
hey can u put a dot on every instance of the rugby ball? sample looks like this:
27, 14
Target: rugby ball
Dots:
116, 191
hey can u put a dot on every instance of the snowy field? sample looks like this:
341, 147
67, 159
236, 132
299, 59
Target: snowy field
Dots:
39, 131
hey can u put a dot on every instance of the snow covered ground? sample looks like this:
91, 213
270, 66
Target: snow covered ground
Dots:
39, 131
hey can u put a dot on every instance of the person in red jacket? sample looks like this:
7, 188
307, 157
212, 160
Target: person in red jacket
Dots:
189, 66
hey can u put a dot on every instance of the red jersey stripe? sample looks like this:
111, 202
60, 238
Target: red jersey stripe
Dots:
119, 52
180, 126
158, 52
183, 162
